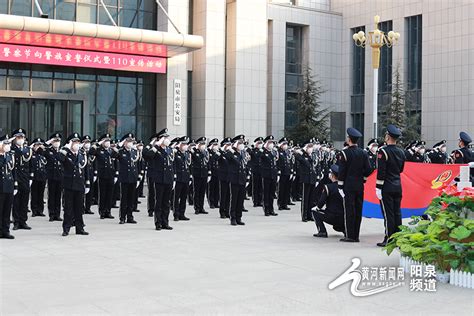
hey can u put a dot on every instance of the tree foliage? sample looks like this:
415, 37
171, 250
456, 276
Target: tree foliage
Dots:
312, 119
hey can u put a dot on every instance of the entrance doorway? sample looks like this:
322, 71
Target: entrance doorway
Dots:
41, 117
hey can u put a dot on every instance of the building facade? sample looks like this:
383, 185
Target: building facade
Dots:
245, 77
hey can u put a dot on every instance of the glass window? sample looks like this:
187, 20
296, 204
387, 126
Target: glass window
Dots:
293, 78
145, 127
126, 124
291, 106
338, 126
20, 7
413, 44
42, 84
130, 4
146, 20
106, 97
65, 10
358, 65
104, 18
106, 124
63, 86
92, 132
127, 98
145, 100
18, 83
293, 49
47, 6
128, 18
4, 6
385, 69
87, 88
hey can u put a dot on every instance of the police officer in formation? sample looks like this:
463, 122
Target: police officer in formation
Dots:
129, 177
200, 173
54, 170
75, 184
38, 165
284, 164
330, 182
8, 186
354, 168
390, 164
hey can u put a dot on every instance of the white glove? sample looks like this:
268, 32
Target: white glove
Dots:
115, 180
30, 182
209, 179
63, 152
174, 184
278, 179
341, 193
315, 208
378, 193
471, 164
15, 192
86, 191
94, 179
138, 184
316, 184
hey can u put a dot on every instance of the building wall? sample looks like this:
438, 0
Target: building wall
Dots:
246, 69
178, 10
447, 60
209, 69
322, 51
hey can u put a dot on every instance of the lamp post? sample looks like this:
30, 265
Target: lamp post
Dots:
376, 40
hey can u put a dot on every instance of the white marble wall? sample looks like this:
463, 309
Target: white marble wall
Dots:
177, 69
209, 69
246, 80
322, 52
447, 59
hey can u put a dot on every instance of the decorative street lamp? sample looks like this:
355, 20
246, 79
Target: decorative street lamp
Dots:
376, 40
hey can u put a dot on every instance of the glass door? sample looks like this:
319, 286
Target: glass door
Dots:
41, 117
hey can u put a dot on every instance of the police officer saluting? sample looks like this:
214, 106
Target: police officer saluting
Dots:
129, 180
372, 147
255, 153
54, 169
106, 173
38, 164
237, 178
463, 155
354, 168
182, 162
7, 186
160, 157
213, 185
75, 184
223, 174
390, 164
269, 171
308, 176
284, 167
329, 208
91, 172
23, 176
438, 154
199, 167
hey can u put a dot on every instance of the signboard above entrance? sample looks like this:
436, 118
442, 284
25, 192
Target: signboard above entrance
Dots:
81, 58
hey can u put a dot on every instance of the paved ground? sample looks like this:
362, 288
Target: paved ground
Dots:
204, 266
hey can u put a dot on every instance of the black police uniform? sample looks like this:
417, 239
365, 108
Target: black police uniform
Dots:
150, 184
213, 185
224, 184
284, 166
390, 164
106, 173
161, 173
23, 175
74, 185
269, 172
329, 209
199, 170
464, 155
128, 178
38, 163
308, 177
257, 191
237, 164
7, 187
436, 155
182, 162
54, 170
354, 168
91, 177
